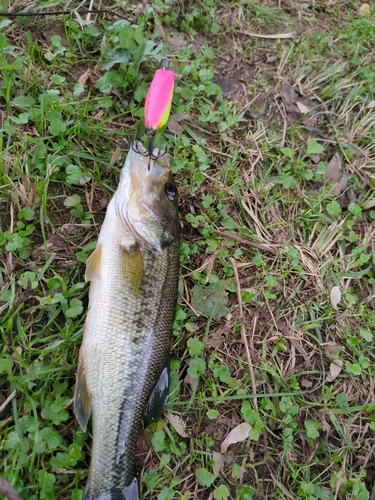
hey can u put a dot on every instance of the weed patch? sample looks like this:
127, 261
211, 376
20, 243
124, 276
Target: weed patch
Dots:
272, 139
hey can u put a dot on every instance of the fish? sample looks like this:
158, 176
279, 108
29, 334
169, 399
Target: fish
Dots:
123, 369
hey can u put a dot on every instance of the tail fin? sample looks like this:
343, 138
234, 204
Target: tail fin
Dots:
130, 492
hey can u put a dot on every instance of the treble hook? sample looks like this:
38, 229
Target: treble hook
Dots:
149, 152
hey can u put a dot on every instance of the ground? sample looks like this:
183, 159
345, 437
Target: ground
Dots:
272, 141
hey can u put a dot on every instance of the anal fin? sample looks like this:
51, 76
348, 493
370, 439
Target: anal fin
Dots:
131, 492
82, 400
158, 398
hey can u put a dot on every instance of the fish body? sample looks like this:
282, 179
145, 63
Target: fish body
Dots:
122, 373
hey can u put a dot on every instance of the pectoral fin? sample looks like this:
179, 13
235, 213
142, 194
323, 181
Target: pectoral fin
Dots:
93, 264
158, 398
132, 270
82, 400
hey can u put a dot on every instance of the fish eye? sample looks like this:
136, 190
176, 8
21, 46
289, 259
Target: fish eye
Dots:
170, 191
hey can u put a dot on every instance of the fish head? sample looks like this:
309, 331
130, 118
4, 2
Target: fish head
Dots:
146, 200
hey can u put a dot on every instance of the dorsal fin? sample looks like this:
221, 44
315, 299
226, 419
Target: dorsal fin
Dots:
93, 264
132, 270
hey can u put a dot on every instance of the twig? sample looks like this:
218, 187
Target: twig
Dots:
283, 115
58, 13
189, 305
243, 331
281, 486
367, 458
255, 321
88, 17
8, 399
8, 491
276, 36
261, 246
351, 164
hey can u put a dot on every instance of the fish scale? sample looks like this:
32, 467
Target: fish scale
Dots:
134, 277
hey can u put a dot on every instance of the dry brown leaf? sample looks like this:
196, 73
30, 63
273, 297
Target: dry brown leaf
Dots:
236, 435
115, 156
219, 335
219, 463
341, 185
334, 369
178, 40
364, 9
332, 173
178, 424
85, 77
189, 382
174, 123
56, 241
270, 58
368, 204
288, 94
306, 383
302, 107
330, 349
335, 296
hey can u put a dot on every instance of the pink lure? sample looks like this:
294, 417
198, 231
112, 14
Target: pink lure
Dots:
159, 99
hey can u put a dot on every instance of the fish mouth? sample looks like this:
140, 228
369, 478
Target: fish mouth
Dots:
150, 153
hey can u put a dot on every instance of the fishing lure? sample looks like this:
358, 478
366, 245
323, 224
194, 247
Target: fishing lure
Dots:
158, 104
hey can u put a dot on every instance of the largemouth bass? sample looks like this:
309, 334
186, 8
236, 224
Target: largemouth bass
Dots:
123, 370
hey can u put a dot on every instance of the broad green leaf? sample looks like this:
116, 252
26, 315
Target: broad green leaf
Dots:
109, 80
210, 300
150, 479
333, 208
196, 367
312, 427
78, 89
366, 334
342, 400
205, 477
75, 309
256, 430
158, 441
195, 347
287, 152
6, 364
12, 440
314, 148
212, 414
166, 494
221, 493
353, 368
57, 127
23, 102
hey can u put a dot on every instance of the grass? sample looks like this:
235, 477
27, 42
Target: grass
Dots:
276, 209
